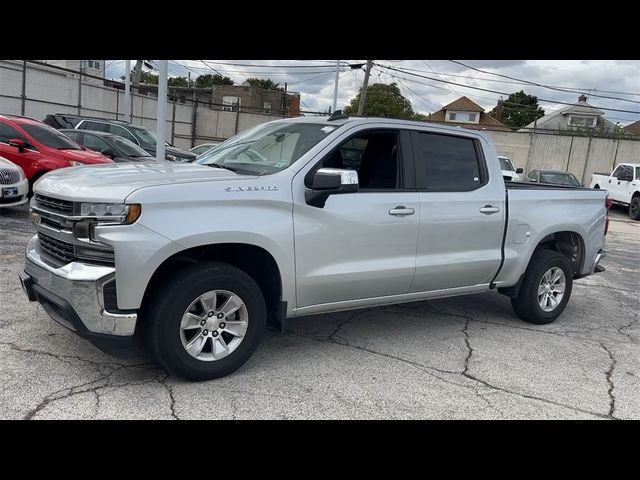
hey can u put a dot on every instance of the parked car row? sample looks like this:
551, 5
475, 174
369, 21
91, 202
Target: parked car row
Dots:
142, 136
30, 148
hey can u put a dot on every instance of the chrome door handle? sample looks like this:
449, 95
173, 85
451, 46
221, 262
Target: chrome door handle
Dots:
489, 209
401, 211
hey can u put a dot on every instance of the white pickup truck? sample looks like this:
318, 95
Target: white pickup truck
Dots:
623, 186
298, 217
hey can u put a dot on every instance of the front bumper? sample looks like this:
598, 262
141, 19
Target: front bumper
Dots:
73, 296
23, 190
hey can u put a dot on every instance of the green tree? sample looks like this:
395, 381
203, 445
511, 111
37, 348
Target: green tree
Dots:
149, 78
383, 100
208, 80
519, 110
264, 83
178, 82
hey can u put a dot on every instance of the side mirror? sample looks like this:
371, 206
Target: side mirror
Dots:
519, 170
330, 181
19, 144
108, 152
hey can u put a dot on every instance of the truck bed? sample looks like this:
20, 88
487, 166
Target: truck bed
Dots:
536, 210
541, 186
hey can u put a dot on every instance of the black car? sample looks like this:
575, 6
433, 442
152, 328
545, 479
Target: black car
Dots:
116, 148
138, 134
557, 177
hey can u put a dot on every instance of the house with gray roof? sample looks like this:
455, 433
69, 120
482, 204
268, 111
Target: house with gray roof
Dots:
578, 116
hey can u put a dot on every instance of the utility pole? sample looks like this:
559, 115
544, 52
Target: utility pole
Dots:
162, 109
137, 73
127, 90
335, 89
284, 101
499, 110
365, 84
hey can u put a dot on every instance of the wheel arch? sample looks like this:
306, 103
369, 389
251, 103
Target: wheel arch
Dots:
255, 261
567, 242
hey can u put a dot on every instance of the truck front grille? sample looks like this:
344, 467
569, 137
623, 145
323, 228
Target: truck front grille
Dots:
57, 249
55, 204
9, 176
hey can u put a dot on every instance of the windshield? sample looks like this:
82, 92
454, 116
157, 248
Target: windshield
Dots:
267, 148
146, 137
128, 148
505, 164
50, 137
559, 178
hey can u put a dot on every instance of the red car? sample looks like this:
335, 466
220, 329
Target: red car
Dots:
38, 148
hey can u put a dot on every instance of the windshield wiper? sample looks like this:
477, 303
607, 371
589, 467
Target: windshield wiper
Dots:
219, 165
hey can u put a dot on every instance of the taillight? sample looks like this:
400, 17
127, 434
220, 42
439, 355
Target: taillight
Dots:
608, 202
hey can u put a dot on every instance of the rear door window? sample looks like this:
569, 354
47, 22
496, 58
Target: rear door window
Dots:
447, 163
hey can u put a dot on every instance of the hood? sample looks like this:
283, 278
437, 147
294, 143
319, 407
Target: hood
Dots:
116, 181
7, 164
85, 156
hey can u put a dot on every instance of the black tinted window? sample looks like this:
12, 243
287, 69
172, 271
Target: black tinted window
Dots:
50, 137
73, 135
97, 126
373, 155
7, 133
121, 132
446, 162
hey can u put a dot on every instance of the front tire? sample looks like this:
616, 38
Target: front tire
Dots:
545, 289
206, 321
634, 208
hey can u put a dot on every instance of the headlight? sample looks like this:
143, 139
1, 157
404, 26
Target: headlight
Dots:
171, 157
111, 212
21, 174
73, 163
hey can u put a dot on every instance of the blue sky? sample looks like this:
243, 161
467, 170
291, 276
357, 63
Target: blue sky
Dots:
314, 79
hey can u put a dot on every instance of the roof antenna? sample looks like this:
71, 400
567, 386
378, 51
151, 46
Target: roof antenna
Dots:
337, 115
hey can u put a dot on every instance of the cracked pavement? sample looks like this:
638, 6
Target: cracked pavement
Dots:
458, 358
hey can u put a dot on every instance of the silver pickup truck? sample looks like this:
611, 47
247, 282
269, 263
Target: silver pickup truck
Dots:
297, 217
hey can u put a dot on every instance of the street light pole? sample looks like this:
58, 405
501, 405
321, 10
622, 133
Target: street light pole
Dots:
127, 90
162, 109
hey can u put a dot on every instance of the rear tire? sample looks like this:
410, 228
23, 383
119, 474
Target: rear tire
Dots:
539, 299
634, 208
170, 336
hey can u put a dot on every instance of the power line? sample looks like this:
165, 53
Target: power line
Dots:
244, 72
551, 87
211, 67
498, 92
272, 66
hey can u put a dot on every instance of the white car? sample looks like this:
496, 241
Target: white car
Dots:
14, 187
509, 173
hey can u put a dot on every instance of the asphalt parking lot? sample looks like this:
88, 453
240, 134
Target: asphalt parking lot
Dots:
459, 358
